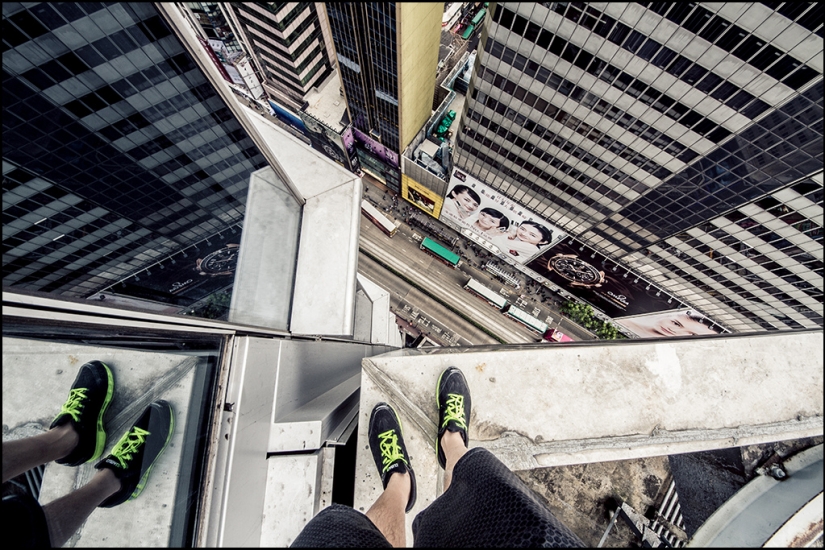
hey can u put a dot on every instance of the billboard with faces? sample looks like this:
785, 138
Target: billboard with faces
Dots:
517, 232
683, 322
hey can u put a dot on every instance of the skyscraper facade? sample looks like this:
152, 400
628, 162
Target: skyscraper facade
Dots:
681, 140
387, 53
287, 44
117, 150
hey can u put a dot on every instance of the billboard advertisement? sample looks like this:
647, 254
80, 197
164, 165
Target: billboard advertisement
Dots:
285, 115
377, 159
684, 322
421, 197
325, 139
211, 53
349, 145
380, 151
189, 275
518, 233
589, 275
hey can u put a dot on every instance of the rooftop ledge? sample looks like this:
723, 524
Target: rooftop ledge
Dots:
552, 405
308, 253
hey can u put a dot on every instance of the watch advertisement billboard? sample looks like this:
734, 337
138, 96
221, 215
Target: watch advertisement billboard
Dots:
590, 275
189, 275
518, 233
419, 196
683, 322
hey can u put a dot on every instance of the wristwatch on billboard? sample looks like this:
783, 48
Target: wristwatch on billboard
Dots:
576, 270
220, 262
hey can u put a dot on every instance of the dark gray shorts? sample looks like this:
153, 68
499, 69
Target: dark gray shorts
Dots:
26, 522
486, 505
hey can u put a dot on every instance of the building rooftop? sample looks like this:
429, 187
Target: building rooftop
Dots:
326, 103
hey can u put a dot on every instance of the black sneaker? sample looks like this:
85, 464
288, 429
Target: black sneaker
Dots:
452, 397
388, 449
88, 400
137, 451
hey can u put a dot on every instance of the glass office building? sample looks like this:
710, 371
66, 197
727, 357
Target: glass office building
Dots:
128, 167
388, 55
287, 45
118, 153
681, 140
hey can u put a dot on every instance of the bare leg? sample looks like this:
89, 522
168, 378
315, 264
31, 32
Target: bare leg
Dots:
454, 449
387, 513
24, 454
65, 515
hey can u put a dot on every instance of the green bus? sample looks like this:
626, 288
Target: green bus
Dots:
440, 253
479, 16
468, 31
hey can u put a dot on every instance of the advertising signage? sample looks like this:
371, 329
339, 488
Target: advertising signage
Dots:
381, 152
286, 116
589, 275
325, 139
685, 322
421, 197
377, 159
518, 233
188, 276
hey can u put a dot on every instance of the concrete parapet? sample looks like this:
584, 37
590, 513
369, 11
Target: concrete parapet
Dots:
536, 406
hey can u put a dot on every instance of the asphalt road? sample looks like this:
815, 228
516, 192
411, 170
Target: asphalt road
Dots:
432, 306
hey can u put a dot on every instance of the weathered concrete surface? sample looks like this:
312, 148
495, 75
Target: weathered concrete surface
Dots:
578, 494
581, 403
37, 376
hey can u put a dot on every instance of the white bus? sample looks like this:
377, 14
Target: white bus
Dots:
491, 297
383, 222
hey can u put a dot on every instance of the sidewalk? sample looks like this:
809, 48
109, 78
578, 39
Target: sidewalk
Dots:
529, 295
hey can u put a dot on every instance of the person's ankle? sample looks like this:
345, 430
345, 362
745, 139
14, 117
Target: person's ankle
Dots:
108, 478
401, 482
66, 436
452, 438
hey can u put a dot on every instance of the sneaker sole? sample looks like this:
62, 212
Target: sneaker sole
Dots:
145, 478
100, 442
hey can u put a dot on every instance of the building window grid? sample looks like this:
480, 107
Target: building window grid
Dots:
548, 178
704, 290
740, 193
384, 70
480, 163
603, 141
744, 107
632, 125
714, 29
539, 151
774, 284
705, 256
64, 243
577, 194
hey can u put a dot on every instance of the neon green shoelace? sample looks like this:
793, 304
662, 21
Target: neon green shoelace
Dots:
455, 411
128, 444
73, 405
390, 449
